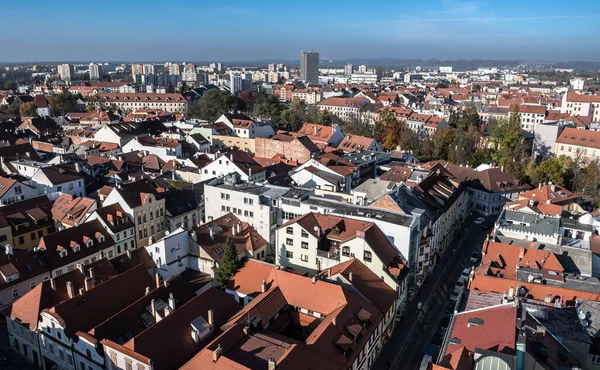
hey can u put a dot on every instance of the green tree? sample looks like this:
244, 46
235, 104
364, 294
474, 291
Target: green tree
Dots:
510, 151
184, 88
213, 104
229, 264
268, 106
559, 170
469, 118
249, 99
587, 182
28, 110
478, 157
63, 103
170, 89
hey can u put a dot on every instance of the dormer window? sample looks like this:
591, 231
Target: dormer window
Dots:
75, 246
99, 237
62, 252
88, 241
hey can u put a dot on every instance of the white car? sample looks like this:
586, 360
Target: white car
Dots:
479, 221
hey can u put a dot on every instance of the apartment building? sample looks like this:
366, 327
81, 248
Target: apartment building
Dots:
344, 108
576, 104
254, 204
235, 161
295, 148
25, 222
116, 222
60, 179
127, 102
530, 115
12, 191
166, 149
145, 206
244, 126
580, 145
315, 242
310, 96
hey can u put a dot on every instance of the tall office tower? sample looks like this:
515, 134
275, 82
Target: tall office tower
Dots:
65, 70
96, 72
348, 69
219, 67
148, 69
362, 68
174, 69
271, 67
309, 67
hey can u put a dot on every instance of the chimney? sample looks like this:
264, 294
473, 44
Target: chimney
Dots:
272, 364
329, 272
128, 254
88, 283
53, 284
147, 290
211, 233
217, 352
70, 291
157, 279
334, 321
350, 276
314, 279
91, 273
263, 286
521, 253
316, 130
80, 268
211, 318
234, 230
171, 301
511, 292
81, 291
153, 307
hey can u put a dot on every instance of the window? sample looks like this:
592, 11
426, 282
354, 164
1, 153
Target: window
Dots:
346, 251
304, 245
70, 186
234, 210
139, 219
289, 241
596, 359
15, 293
368, 256
21, 240
40, 233
32, 285
245, 200
251, 214
304, 257
17, 190
289, 230
245, 213
140, 234
59, 188
304, 234
289, 254
250, 201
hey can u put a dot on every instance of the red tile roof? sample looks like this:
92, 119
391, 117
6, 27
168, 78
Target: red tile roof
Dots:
585, 138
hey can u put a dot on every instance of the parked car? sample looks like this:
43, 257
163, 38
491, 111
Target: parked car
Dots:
466, 272
475, 256
478, 221
461, 281
456, 294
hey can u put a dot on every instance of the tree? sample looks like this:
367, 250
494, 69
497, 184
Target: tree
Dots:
28, 110
213, 104
170, 89
229, 264
63, 103
510, 150
386, 117
392, 135
587, 182
184, 88
469, 118
268, 106
478, 157
249, 99
559, 170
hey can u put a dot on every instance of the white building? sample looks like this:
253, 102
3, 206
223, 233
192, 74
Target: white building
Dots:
64, 179
12, 191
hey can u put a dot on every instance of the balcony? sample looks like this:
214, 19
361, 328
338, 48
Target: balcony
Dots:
327, 259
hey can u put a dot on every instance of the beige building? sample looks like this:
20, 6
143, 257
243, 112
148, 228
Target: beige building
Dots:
127, 102
576, 104
581, 145
241, 143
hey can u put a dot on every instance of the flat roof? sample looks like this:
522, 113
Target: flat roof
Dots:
373, 213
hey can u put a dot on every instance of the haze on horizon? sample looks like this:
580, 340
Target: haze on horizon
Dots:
235, 30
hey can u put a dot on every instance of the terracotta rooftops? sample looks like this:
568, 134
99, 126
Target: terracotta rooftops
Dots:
355, 143
526, 108
487, 328
577, 137
318, 132
550, 193
342, 323
573, 96
71, 210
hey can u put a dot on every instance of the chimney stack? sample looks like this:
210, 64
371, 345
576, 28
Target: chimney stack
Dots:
217, 352
171, 301
211, 318
334, 321
70, 291
350, 276
157, 278
314, 279
153, 307
272, 364
263, 286
329, 272
147, 290
91, 273
53, 284
128, 254
88, 283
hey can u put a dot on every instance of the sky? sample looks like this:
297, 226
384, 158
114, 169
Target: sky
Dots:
235, 30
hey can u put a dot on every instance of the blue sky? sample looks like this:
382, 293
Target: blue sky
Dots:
230, 30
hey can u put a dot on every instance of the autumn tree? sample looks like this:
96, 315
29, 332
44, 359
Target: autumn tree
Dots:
559, 170
28, 110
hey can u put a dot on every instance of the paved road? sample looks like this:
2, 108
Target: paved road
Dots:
405, 348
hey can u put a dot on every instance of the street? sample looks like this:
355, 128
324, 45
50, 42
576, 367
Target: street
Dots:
405, 348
